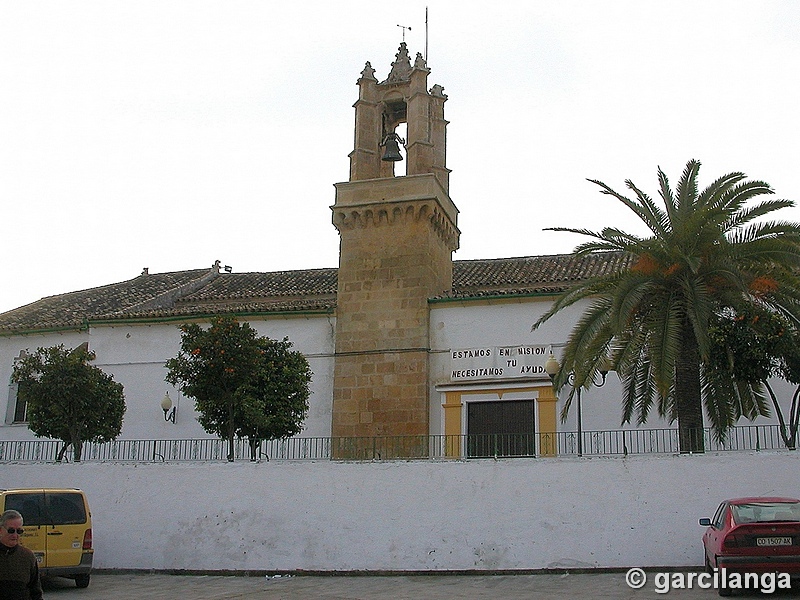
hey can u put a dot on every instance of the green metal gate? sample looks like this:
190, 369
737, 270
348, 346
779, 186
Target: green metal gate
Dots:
501, 428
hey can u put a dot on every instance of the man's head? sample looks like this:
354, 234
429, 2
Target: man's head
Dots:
10, 528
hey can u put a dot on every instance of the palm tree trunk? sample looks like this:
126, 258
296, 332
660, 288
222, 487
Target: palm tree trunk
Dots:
688, 401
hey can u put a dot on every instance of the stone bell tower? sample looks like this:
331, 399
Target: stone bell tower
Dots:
397, 237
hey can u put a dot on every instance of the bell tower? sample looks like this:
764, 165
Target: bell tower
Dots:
397, 237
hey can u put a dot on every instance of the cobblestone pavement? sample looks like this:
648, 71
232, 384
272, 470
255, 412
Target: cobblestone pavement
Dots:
107, 586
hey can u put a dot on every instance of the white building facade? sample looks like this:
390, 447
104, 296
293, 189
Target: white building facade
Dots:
401, 339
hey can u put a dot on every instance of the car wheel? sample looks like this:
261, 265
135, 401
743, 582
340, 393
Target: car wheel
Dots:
82, 581
723, 589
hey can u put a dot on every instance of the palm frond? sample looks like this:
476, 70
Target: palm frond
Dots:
575, 294
588, 341
637, 208
657, 220
587, 232
664, 325
717, 188
687, 187
737, 196
749, 213
583, 289
666, 195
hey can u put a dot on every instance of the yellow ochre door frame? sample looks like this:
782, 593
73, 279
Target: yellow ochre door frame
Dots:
547, 423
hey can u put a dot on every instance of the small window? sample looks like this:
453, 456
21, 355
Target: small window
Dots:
17, 410
20, 408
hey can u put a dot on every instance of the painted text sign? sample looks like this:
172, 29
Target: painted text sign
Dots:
499, 362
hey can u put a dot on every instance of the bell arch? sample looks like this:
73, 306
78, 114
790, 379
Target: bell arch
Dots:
402, 97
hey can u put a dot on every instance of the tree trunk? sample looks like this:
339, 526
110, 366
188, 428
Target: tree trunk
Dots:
63, 451
787, 434
688, 401
77, 444
231, 431
77, 450
794, 419
254, 448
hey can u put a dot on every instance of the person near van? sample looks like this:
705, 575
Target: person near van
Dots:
19, 571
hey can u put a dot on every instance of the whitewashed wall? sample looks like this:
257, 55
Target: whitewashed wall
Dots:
461, 325
424, 515
458, 325
135, 355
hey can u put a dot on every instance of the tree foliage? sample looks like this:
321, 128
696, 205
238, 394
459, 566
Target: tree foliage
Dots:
749, 349
243, 385
707, 251
69, 399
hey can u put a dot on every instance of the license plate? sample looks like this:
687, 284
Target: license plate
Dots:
774, 541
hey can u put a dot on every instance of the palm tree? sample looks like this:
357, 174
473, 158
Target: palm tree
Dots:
707, 252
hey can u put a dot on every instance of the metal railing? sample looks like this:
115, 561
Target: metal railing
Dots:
594, 443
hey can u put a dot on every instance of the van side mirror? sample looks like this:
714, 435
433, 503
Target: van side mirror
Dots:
705, 522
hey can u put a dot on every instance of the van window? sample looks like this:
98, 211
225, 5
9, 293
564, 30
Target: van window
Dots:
65, 508
53, 508
30, 505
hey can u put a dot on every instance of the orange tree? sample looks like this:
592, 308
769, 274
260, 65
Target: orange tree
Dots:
67, 398
243, 385
706, 251
748, 350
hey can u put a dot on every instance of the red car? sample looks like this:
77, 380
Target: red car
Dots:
754, 535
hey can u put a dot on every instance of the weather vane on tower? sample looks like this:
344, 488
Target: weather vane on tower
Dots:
404, 27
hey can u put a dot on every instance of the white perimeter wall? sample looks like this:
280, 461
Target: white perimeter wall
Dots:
486, 515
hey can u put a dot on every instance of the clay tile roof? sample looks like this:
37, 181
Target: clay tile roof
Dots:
529, 274
73, 308
203, 292
297, 284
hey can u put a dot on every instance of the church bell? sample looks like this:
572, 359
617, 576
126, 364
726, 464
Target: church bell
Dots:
391, 151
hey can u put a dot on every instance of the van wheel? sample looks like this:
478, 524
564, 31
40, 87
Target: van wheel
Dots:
82, 581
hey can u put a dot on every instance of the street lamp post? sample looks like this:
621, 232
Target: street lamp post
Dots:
552, 367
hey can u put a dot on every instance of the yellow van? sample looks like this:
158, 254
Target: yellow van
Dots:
58, 529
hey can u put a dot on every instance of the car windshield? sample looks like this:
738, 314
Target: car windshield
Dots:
766, 512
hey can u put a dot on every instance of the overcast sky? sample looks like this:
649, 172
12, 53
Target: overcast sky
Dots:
169, 134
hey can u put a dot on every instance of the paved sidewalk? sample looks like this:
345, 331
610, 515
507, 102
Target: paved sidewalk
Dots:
356, 587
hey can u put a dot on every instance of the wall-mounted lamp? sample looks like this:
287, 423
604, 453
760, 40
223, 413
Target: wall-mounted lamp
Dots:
552, 366
169, 410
